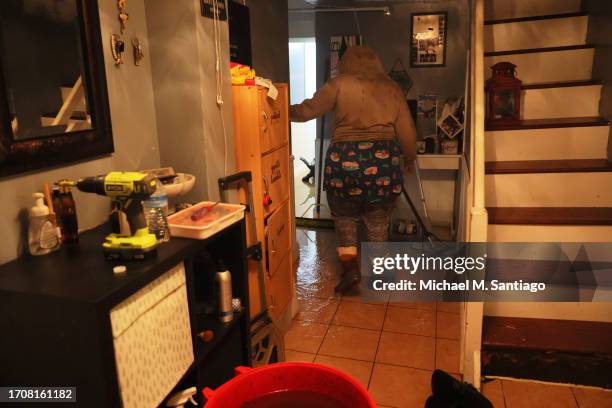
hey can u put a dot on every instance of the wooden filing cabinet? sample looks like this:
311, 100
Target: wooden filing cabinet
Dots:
261, 131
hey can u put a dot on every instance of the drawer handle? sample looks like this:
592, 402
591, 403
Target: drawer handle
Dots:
273, 251
266, 119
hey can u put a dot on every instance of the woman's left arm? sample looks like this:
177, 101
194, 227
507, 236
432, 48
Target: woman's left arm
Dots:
321, 102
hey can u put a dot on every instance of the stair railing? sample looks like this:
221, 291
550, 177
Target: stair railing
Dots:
475, 214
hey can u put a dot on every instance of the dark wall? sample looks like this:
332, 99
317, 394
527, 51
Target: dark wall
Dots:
270, 38
389, 36
600, 34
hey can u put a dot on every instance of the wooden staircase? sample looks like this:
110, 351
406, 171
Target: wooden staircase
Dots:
548, 179
560, 351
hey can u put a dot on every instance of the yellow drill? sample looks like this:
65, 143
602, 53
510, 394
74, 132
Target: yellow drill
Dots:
130, 238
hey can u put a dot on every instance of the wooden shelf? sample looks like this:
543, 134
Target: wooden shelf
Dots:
535, 50
550, 215
205, 321
535, 18
561, 84
547, 334
561, 351
548, 166
551, 123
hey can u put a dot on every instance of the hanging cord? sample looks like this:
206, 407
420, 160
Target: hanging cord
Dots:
219, 74
357, 22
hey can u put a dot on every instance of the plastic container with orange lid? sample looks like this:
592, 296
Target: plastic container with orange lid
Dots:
204, 219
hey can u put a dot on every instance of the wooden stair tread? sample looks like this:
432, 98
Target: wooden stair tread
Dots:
561, 84
550, 215
548, 166
549, 366
534, 50
547, 334
552, 123
535, 18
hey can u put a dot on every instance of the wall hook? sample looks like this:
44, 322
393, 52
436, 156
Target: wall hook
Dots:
138, 54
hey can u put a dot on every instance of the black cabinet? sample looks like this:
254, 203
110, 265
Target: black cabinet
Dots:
55, 323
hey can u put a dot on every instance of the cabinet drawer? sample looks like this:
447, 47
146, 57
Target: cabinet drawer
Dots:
273, 119
152, 340
278, 237
280, 287
275, 173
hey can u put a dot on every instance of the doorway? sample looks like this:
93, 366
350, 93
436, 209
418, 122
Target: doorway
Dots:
303, 84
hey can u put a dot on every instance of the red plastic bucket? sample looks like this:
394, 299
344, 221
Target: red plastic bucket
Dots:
251, 383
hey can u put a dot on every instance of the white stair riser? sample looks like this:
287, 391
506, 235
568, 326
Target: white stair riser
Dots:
501, 9
549, 190
594, 312
556, 32
547, 144
81, 106
564, 102
549, 233
553, 66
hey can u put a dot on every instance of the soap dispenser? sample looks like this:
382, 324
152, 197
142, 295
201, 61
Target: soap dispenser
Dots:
42, 235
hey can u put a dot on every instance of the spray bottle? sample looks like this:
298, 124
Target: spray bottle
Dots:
181, 398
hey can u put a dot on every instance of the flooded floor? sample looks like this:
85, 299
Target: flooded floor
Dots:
393, 347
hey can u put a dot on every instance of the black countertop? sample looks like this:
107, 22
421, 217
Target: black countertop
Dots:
80, 272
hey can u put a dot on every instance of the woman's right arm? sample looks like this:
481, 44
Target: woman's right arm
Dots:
321, 102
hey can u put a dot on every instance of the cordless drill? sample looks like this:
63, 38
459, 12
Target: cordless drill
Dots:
130, 238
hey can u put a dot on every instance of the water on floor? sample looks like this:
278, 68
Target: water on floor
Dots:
391, 347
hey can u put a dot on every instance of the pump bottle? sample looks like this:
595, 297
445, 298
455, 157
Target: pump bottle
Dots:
42, 234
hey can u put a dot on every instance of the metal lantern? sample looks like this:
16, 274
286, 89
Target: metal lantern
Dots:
503, 95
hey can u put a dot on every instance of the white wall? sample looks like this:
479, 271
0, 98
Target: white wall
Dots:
134, 131
190, 124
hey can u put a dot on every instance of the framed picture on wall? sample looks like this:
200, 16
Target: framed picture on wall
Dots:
428, 42
337, 47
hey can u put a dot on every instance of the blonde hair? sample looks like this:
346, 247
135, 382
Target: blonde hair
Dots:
361, 61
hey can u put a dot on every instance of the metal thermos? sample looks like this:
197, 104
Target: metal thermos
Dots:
223, 279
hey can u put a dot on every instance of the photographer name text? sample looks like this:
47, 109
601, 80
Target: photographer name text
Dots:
434, 285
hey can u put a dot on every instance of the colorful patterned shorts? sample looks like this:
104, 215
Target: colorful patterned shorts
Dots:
364, 171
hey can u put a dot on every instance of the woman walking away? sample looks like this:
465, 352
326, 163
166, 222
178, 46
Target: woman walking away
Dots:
373, 128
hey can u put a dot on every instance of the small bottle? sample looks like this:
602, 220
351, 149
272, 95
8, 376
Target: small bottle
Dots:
65, 207
223, 279
156, 213
42, 235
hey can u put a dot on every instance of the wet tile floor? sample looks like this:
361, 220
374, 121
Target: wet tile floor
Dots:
393, 347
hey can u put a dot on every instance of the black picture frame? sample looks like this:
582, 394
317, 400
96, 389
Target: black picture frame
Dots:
19, 156
207, 9
442, 34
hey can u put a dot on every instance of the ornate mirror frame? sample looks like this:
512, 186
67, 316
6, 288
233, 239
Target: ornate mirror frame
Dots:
19, 156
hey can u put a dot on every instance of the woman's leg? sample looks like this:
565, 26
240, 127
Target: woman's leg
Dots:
346, 215
377, 217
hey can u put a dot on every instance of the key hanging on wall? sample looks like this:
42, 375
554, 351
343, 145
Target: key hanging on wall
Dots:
123, 15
